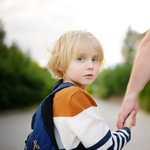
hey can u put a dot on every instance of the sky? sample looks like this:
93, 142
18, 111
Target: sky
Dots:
36, 24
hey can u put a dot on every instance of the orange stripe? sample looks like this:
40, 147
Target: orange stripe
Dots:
71, 101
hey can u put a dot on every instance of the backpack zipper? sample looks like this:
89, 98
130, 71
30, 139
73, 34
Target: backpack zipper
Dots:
36, 146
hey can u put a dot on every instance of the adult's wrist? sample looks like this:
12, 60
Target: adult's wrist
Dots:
130, 96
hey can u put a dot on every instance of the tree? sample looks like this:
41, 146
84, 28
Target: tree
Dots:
2, 32
22, 81
130, 46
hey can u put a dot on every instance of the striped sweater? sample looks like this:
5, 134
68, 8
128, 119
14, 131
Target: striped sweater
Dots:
77, 120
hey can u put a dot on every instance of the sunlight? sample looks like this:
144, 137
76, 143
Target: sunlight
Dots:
141, 28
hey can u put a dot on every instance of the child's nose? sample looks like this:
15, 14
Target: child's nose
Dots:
89, 65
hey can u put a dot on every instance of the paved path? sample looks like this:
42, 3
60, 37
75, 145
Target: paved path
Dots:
15, 125
140, 137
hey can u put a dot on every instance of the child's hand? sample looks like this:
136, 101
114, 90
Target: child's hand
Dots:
129, 120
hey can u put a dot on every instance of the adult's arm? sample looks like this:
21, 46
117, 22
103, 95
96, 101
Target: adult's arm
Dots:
139, 77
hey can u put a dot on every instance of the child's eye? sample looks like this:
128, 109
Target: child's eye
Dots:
80, 59
95, 59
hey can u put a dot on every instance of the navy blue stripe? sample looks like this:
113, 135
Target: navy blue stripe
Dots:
118, 141
127, 138
101, 142
128, 131
112, 146
80, 146
122, 141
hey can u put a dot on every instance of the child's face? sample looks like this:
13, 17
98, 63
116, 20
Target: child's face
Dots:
83, 70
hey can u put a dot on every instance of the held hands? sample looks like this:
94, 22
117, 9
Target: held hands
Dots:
127, 107
129, 120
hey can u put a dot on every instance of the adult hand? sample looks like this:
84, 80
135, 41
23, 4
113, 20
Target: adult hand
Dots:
129, 120
127, 107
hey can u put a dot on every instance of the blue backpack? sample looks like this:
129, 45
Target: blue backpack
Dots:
42, 137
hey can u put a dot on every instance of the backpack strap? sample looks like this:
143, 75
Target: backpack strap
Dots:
56, 85
47, 110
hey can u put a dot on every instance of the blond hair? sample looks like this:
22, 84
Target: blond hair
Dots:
72, 42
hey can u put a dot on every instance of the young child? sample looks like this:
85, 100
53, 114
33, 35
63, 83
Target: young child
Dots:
76, 58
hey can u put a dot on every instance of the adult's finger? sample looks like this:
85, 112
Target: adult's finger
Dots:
120, 122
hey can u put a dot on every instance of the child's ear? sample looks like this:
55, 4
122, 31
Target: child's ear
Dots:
60, 68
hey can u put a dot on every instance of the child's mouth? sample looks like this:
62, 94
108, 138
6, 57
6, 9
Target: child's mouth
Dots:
88, 76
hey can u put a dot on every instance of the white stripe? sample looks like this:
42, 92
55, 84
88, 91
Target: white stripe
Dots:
67, 136
87, 127
120, 141
115, 142
125, 132
125, 141
106, 145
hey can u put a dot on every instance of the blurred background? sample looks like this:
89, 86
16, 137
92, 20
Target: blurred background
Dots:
27, 27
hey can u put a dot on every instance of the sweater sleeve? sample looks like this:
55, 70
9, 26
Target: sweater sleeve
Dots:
91, 129
77, 119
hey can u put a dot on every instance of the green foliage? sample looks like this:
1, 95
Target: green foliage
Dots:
144, 98
130, 45
22, 81
2, 32
112, 81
